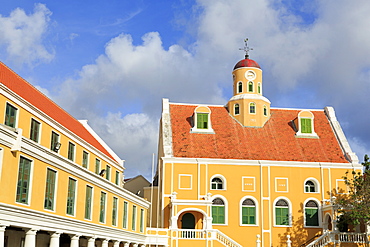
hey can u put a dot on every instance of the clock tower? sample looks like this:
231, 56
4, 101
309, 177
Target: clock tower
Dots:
248, 105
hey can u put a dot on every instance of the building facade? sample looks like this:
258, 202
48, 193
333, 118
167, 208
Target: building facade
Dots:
245, 173
60, 184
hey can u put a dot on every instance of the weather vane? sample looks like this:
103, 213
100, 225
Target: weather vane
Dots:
246, 48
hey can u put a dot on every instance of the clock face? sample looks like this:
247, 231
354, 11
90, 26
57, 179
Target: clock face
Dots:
250, 75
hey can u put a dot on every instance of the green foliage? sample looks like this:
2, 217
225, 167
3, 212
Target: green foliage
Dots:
355, 206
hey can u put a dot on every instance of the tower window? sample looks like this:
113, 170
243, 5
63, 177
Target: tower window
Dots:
264, 110
250, 86
236, 109
240, 87
252, 108
259, 87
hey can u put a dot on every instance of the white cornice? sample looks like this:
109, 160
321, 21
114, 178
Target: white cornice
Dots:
250, 97
260, 163
35, 150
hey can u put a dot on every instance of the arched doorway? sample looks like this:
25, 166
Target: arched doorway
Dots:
188, 221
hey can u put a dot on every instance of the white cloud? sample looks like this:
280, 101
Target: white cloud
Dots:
327, 59
22, 35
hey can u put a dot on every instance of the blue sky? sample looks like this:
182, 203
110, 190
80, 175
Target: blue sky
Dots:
112, 61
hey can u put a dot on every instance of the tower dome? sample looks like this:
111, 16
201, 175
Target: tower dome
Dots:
246, 63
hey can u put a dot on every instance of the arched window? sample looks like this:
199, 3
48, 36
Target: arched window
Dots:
311, 211
217, 184
236, 109
309, 186
250, 86
282, 213
240, 87
259, 87
252, 108
218, 211
264, 110
248, 212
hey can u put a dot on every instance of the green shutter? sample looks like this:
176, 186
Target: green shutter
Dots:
312, 217
10, 115
102, 207
249, 215
23, 180
306, 125
88, 202
50, 189
133, 226
282, 216
71, 196
114, 211
202, 120
125, 214
218, 214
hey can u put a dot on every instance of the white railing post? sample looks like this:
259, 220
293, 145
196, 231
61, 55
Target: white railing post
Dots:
288, 242
258, 241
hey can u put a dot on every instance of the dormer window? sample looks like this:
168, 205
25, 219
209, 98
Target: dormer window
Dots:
202, 120
240, 87
305, 124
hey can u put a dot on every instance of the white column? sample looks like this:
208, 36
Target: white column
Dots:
54, 239
30, 239
105, 243
91, 242
126, 244
2, 235
134, 245
75, 240
116, 243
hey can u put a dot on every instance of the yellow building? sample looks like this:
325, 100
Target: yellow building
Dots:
246, 174
60, 184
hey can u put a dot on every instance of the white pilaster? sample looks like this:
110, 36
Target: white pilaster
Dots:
2, 235
30, 239
54, 239
75, 240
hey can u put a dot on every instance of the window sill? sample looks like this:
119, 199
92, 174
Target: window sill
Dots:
202, 131
307, 135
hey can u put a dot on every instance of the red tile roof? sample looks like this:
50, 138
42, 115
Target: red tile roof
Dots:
275, 141
28, 92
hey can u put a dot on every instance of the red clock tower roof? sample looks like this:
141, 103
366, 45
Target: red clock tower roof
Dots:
246, 63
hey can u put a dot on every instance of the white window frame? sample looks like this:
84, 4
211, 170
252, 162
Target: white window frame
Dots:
299, 132
55, 189
75, 196
241, 210
17, 115
40, 129
318, 212
316, 183
31, 182
224, 187
225, 209
289, 207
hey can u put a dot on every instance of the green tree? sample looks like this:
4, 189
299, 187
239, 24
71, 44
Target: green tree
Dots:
355, 206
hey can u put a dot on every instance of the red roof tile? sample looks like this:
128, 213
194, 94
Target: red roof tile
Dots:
275, 141
28, 92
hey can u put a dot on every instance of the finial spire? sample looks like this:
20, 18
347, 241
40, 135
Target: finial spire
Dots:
246, 48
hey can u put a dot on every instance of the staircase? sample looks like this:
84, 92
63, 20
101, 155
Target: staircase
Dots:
340, 237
